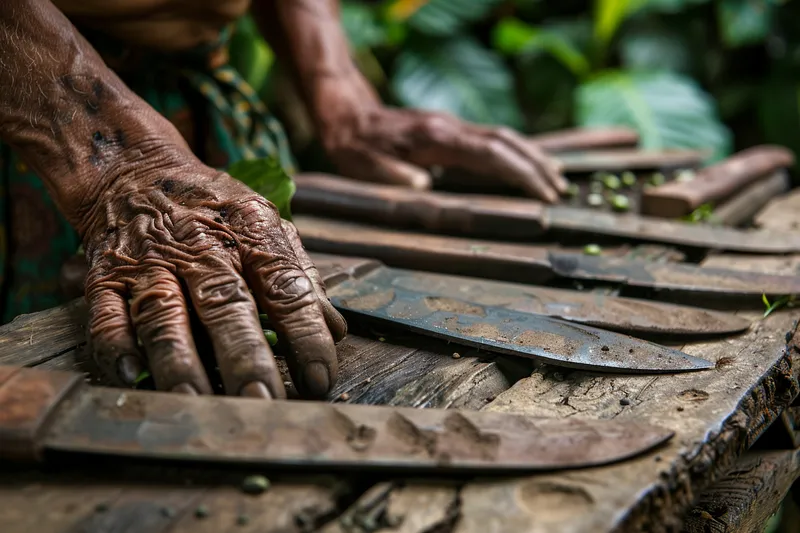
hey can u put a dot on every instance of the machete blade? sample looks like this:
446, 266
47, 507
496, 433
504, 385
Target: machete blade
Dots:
674, 277
628, 315
255, 433
511, 332
673, 232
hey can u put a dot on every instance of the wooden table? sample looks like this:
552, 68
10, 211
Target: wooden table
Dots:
717, 415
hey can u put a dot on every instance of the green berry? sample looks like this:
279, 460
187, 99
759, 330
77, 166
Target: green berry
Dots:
611, 182
620, 202
684, 176
573, 190
595, 199
596, 187
255, 484
592, 249
271, 336
628, 178
658, 179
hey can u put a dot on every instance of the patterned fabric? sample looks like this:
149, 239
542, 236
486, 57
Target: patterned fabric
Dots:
219, 115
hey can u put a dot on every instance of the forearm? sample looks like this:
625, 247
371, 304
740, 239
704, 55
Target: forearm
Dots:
308, 38
69, 117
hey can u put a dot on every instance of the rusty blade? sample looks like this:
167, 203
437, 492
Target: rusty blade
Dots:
513, 218
175, 427
536, 264
620, 160
642, 228
506, 331
674, 277
627, 315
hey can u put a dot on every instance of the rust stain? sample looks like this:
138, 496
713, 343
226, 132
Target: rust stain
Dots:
550, 342
480, 330
370, 302
451, 305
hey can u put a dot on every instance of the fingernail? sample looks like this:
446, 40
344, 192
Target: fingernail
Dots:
185, 388
128, 368
255, 389
316, 379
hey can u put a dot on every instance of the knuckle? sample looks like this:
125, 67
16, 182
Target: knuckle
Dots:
217, 291
495, 147
435, 127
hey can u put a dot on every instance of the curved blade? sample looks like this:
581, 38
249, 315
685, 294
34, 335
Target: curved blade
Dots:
178, 427
511, 332
675, 277
671, 232
628, 315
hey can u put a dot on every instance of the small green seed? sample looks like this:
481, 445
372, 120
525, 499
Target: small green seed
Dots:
573, 190
658, 179
595, 199
201, 511
611, 182
628, 178
271, 336
596, 187
620, 202
255, 484
592, 249
685, 176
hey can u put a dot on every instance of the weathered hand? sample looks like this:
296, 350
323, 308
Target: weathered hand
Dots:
372, 142
186, 235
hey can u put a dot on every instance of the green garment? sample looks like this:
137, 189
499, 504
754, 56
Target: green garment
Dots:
215, 110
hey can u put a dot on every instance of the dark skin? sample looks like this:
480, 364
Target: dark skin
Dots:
163, 232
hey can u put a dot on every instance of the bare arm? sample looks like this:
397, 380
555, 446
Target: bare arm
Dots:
65, 112
371, 142
154, 220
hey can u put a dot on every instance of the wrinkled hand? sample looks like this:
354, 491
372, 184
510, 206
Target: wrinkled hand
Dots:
371, 142
188, 235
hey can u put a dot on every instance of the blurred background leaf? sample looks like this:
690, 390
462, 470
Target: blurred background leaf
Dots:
719, 75
458, 76
669, 110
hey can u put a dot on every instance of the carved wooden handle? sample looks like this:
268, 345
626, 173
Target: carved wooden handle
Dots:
716, 182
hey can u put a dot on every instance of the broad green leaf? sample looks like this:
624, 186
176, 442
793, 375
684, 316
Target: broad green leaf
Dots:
667, 109
743, 22
652, 46
362, 26
250, 55
514, 37
440, 17
458, 76
268, 178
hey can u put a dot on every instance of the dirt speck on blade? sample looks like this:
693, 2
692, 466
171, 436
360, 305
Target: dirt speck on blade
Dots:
370, 302
450, 305
551, 342
483, 331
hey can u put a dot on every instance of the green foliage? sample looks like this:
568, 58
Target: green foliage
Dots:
783, 301
744, 22
440, 17
668, 110
458, 76
672, 69
268, 178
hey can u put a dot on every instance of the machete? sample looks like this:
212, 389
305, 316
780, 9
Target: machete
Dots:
536, 264
47, 415
517, 218
507, 331
627, 315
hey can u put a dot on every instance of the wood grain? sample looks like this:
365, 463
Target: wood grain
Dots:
747, 496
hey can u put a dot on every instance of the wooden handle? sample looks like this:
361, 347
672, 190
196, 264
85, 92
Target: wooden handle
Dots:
323, 194
515, 262
586, 139
28, 400
716, 182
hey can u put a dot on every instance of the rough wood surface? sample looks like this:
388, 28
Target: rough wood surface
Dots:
750, 493
716, 414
